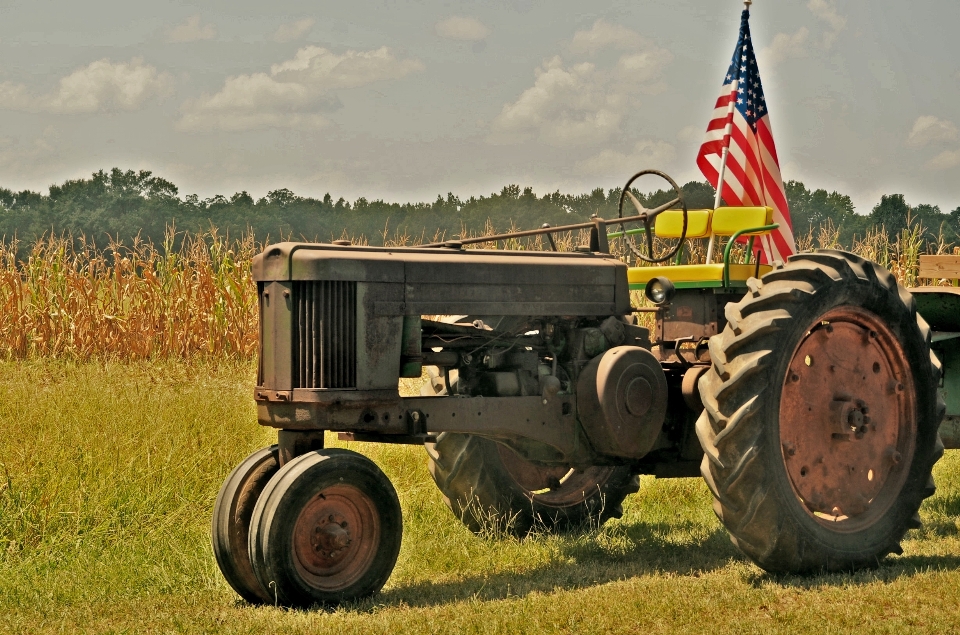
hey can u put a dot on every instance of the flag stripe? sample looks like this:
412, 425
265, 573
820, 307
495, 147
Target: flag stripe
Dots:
752, 175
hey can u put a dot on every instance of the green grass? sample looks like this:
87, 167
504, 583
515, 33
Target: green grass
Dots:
108, 474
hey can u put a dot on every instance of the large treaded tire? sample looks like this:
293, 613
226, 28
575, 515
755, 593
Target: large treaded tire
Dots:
480, 490
740, 429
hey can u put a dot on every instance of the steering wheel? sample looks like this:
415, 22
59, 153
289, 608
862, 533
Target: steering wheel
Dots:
649, 215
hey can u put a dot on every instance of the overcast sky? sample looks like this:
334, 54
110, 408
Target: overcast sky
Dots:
407, 100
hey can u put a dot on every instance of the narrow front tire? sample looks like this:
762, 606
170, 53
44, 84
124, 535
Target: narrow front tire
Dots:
326, 530
231, 521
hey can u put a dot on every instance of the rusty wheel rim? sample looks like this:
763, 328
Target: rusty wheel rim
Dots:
847, 419
335, 538
558, 486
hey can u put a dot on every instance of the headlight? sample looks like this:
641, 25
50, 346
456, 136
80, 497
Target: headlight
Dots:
659, 290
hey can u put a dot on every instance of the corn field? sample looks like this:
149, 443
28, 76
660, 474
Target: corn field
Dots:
193, 297
129, 303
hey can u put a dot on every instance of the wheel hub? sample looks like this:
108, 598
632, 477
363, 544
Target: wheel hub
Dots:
335, 537
331, 537
846, 418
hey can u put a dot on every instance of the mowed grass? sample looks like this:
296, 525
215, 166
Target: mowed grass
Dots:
108, 473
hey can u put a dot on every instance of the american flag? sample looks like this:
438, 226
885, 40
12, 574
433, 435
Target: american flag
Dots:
741, 123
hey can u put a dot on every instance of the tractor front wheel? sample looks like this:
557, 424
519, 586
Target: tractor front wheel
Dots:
326, 530
231, 521
820, 415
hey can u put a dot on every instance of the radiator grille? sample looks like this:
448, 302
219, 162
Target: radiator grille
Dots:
325, 334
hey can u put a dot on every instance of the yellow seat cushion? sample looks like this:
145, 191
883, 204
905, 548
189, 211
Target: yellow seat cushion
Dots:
727, 221
669, 224
640, 276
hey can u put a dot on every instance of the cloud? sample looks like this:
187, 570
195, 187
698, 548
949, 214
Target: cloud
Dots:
100, 86
643, 67
462, 28
827, 12
603, 35
192, 31
565, 106
583, 103
295, 94
323, 69
32, 157
690, 133
945, 160
929, 129
785, 46
248, 102
293, 30
646, 153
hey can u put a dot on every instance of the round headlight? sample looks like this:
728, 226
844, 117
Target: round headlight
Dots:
657, 293
659, 290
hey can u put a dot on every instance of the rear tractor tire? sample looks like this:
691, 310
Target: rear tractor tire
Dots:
491, 488
821, 415
326, 530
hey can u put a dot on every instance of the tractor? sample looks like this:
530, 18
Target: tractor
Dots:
804, 393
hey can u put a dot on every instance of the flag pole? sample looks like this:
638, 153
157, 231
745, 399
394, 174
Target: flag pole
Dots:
723, 156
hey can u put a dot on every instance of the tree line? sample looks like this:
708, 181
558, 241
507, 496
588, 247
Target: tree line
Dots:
123, 205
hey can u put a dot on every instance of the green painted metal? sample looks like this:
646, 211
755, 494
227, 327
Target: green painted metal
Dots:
733, 239
940, 307
949, 353
706, 284
700, 284
629, 232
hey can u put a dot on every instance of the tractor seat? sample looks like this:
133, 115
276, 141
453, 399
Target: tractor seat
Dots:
669, 224
694, 275
704, 223
723, 221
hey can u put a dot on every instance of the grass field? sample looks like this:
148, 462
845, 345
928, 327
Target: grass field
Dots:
108, 474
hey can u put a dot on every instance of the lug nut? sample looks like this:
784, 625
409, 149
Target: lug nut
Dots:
894, 456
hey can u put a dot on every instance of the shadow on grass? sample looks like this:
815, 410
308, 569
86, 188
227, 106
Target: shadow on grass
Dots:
583, 562
586, 563
888, 570
627, 551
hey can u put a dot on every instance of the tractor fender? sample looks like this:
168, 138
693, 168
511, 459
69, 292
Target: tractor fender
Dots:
940, 307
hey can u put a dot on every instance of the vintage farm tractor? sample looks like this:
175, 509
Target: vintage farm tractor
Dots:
804, 393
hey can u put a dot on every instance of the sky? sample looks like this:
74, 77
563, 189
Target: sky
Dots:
407, 100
